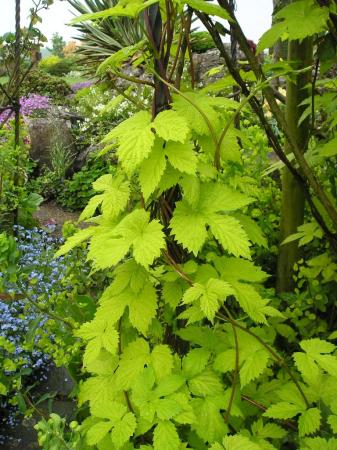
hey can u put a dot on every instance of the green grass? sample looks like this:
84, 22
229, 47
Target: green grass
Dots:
73, 80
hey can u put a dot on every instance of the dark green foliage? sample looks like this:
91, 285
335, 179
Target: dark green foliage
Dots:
40, 82
58, 44
78, 190
105, 37
201, 41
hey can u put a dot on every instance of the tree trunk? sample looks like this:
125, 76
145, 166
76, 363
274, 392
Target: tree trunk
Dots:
292, 192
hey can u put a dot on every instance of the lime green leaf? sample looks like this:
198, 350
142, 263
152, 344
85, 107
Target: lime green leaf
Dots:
301, 19
98, 431
252, 229
188, 226
316, 346
238, 442
142, 308
271, 36
283, 410
118, 58
229, 232
195, 361
169, 125
122, 9
225, 361
239, 269
206, 384
250, 301
253, 366
135, 140
135, 356
165, 437
309, 421
209, 423
75, 240
307, 366
123, 430
182, 156
3, 389
332, 421
113, 200
146, 238
166, 408
328, 363
190, 106
169, 385
208, 8
152, 169
162, 361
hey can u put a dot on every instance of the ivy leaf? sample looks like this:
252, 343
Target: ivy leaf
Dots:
152, 169
169, 125
165, 436
309, 421
283, 410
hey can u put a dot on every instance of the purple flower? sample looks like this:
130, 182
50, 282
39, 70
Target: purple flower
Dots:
82, 84
28, 105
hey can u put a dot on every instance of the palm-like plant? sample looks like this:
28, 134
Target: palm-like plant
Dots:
102, 38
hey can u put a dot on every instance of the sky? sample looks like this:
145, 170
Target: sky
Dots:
253, 15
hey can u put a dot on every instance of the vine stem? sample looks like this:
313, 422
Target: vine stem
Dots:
236, 371
126, 395
277, 358
217, 153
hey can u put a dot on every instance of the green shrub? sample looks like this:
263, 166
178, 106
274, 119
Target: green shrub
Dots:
54, 65
49, 62
40, 82
77, 191
201, 41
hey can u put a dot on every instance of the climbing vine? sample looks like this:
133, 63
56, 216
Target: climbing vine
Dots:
182, 351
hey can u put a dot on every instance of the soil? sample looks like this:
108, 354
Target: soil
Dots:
50, 213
